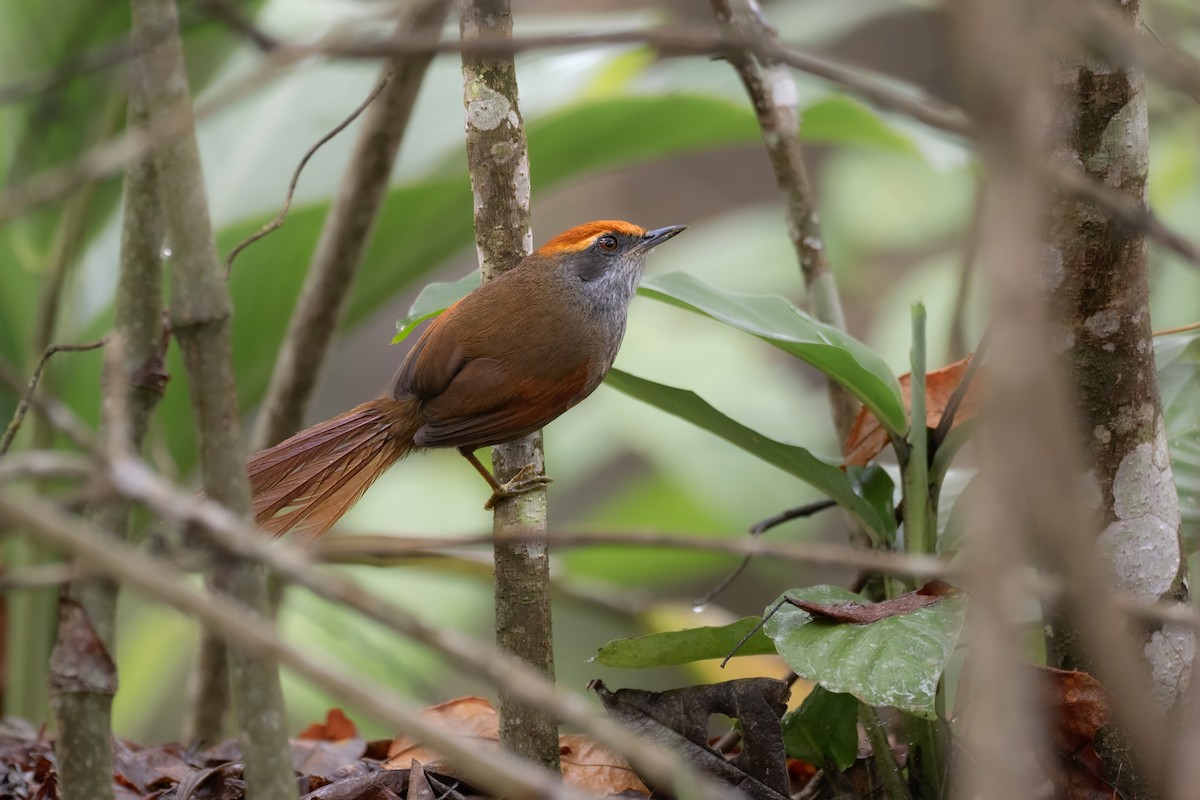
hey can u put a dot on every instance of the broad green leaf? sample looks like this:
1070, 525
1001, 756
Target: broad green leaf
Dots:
778, 322
875, 486
956, 533
790, 458
895, 662
673, 648
1178, 358
611, 132
433, 300
824, 728
840, 119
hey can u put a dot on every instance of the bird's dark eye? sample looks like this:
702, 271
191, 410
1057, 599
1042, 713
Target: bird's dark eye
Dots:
607, 243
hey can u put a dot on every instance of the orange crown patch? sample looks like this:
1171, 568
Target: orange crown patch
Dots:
581, 236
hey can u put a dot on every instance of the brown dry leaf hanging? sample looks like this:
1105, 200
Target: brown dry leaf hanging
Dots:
864, 613
867, 438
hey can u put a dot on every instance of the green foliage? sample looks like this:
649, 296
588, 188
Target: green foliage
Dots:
778, 322
432, 301
672, 648
824, 729
897, 661
875, 486
790, 458
1178, 358
839, 119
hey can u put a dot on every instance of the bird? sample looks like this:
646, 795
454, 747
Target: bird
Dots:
497, 365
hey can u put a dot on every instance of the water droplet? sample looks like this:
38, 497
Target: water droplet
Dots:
166, 252
699, 606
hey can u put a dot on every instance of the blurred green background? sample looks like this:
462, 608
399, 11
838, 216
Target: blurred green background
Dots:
615, 132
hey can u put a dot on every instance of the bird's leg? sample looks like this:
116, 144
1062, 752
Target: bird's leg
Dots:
524, 481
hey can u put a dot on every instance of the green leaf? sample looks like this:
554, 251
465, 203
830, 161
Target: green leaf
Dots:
875, 486
606, 133
673, 648
896, 661
790, 458
840, 119
961, 518
432, 301
1178, 359
823, 729
778, 322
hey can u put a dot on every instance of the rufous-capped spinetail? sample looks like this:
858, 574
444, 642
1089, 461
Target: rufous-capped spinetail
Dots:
499, 364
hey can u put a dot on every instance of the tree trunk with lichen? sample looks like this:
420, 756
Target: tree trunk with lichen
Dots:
1097, 275
499, 164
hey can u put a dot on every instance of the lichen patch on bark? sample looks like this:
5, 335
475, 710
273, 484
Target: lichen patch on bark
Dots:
1141, 544
1123, 150
1170, 652
487, 108
1103, 323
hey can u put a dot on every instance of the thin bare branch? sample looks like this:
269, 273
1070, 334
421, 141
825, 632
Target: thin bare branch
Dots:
31, 387
381, 549
277, 221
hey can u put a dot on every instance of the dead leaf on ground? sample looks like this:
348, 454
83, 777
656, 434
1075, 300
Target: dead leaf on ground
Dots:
586, 765
594, 768
864, 613
337, 726
1079, 708
322, 749
867, 438
467, 717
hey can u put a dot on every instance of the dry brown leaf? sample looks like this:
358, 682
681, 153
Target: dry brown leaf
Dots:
867, 438
468, 717
593, 768
864, 613
586, 765
1080, 707
336, 728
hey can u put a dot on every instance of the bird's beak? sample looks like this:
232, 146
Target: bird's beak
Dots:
660, 235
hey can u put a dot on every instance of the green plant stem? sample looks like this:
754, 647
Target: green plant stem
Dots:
926, 737
885, 760
927, 753
920, 536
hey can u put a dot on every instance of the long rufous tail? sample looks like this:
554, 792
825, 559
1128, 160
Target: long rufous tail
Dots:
306, 483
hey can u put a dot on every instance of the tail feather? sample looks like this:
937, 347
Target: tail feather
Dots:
306, 483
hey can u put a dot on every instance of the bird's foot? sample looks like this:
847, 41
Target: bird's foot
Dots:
524, 481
